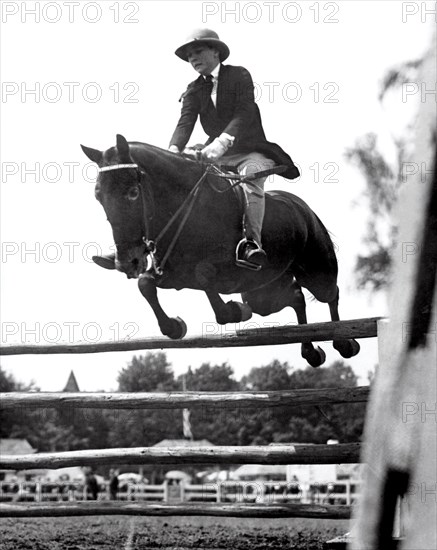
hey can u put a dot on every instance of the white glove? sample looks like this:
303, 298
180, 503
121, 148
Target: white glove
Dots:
216, 148
174, 149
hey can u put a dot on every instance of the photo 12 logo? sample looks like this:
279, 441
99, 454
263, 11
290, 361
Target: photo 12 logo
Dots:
70, 12
49, 252
66, 332
271, 12
48, 172
69, 92
419, 11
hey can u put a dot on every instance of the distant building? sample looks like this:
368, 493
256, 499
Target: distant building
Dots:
72, 385
12, 446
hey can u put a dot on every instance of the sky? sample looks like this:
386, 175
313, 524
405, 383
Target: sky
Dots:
81, 72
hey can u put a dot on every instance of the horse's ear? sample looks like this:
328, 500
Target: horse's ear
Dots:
93, 154
123, 149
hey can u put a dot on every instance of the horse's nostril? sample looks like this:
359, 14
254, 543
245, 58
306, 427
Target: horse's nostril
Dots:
135, 262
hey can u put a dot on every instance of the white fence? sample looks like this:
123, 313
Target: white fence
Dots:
336, 492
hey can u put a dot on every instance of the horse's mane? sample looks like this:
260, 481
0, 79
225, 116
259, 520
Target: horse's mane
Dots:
152, 156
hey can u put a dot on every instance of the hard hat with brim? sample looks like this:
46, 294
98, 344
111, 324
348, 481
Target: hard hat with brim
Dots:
207, 37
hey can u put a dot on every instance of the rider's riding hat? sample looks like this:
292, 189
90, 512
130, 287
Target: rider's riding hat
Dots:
203, 36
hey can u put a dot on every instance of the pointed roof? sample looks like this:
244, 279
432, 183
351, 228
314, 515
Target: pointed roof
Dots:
15, 446
72, 385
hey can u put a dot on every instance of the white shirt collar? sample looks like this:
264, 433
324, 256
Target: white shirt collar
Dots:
215, 71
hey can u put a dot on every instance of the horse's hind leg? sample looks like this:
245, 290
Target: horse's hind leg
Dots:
277, 295
313, 354
346, 348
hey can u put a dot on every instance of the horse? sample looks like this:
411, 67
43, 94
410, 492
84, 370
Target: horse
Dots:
176, 224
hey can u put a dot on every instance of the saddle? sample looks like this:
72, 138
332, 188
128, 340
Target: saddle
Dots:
246, 250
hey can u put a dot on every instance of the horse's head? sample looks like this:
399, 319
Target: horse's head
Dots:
118, 191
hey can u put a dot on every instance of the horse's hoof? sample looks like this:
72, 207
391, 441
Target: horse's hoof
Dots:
347, 348
178, 329
315, 357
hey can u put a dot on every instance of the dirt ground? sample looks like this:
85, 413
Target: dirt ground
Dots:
171, 533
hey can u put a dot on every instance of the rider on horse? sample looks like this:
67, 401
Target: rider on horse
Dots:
223, 97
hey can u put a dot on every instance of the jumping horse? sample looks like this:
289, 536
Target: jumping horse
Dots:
176, 224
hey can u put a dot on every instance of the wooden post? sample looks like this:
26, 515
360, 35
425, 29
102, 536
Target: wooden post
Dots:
400, 436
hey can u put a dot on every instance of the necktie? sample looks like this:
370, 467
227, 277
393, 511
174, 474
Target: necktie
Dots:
208, 90
209, 83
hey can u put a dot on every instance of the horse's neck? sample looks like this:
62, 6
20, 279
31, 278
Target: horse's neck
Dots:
171, 179
168, 172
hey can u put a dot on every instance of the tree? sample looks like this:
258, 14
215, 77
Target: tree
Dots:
372, 268
318, 424
268, 425
148, 373
219, 425
44, 429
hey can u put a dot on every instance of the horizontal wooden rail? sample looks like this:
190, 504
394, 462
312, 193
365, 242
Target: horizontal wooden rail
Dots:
271, 454
194, 509
263, 336
191, 399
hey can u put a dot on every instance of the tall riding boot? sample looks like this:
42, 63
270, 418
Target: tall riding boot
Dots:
250, 250
255, 207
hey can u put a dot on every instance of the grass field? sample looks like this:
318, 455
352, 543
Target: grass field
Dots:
181, 533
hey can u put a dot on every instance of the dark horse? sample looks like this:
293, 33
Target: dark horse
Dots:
174, 228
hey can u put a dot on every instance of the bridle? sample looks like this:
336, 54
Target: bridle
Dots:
147, 198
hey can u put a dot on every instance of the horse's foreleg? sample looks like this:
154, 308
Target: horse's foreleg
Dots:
346, 348
228, 312
313, 354
174, 328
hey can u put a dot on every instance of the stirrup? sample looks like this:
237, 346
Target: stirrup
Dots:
240, 254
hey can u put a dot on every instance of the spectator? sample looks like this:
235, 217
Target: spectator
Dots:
113, 484
91, 485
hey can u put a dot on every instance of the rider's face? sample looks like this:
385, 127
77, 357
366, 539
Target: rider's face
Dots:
202, 58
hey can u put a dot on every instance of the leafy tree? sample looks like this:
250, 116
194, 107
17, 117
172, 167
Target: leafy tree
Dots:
148, 373
302, 424
372, 268
267, 425
318, 424
274, 376
42, 428
217, 424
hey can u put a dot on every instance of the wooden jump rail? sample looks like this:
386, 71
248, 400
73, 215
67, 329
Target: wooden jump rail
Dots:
263, 336
272, 454
239, 510
263, 454
183, 400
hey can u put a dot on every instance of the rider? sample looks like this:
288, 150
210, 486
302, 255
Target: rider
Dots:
231, 118
223, 97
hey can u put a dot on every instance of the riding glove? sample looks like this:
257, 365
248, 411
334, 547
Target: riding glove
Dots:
217, 148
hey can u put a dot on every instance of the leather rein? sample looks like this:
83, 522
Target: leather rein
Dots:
151, 243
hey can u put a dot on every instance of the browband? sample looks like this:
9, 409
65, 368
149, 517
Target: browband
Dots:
117, 167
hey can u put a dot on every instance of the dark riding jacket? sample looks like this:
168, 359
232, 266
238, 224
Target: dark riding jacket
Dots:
236, 114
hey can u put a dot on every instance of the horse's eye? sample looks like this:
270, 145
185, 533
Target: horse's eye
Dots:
133, 193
